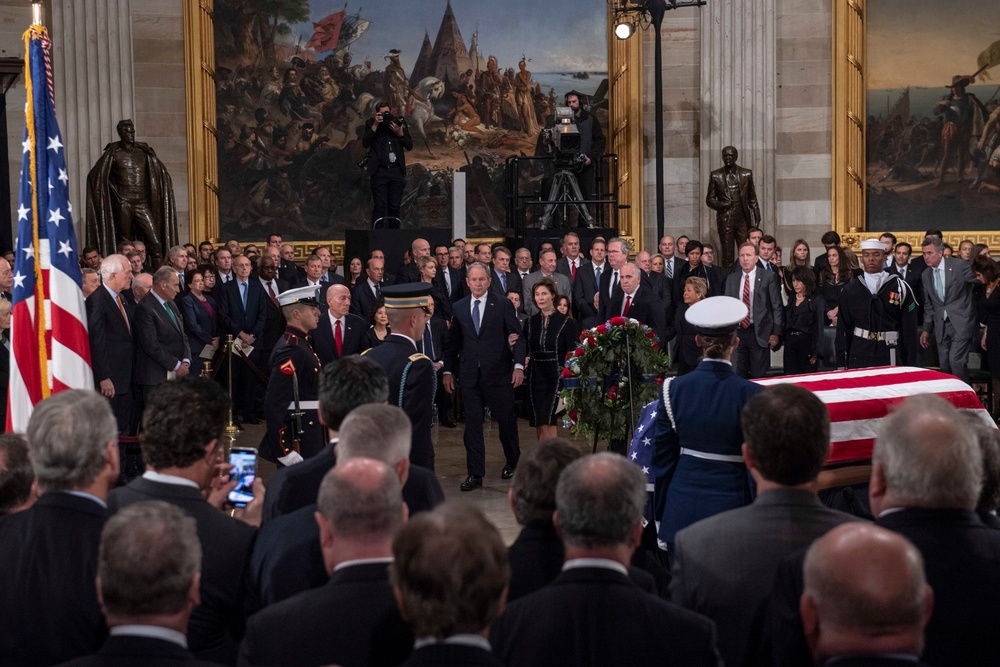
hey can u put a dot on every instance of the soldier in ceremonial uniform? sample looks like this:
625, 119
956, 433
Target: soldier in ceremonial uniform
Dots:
412, 378
877, 322
293, 362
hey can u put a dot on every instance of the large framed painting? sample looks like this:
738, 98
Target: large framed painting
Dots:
295, 81
930, 104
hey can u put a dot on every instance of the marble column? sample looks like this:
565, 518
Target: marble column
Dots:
94, 86
738, 97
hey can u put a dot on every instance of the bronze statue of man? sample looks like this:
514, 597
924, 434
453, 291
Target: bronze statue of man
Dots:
731, 194
130, 197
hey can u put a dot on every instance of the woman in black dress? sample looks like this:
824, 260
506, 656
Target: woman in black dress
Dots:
379, 330
550, 335
832, 279
803, 324
688, 352
986, 271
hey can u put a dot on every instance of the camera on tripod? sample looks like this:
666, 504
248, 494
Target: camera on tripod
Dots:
564, 140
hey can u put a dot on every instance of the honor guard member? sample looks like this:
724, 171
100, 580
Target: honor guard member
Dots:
412, 378
877, 322
291, 403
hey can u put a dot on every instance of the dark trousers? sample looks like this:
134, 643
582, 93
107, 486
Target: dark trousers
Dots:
442, 399
750, 360
500, 399
798, 348
732, 232
126, 412
387, 192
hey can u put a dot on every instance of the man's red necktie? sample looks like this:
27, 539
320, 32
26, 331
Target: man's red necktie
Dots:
746, 300
338, 338
628, 304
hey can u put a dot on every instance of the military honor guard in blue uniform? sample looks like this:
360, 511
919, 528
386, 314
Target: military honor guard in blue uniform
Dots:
697, 459
412, 377
294, 431
877, 320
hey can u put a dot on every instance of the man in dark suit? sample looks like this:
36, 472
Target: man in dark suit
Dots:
285, 559
761, 331
412, 377
948, 313
724, 566
458, 601
143, 543
386, 142
410, 273
829, 240
50, 611
478, 350
432, 345
592, 613
243, 314
661, 285
111, 323
571, 259
671, 264
368, 292
289, 271
163, 351
274, 321
636, 301
502, 279
339, 334
360, 510
546, 269
846, 615
182, 430
590, 275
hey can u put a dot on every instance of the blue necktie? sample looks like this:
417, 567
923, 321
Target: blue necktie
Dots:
503, 282
243, 292
597, 278
428, 342
476, 319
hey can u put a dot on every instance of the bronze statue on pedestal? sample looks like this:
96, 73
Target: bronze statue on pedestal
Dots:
731, 194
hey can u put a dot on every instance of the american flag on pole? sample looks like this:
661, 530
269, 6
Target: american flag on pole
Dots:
50, 350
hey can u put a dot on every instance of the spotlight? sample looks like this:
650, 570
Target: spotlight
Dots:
624, 30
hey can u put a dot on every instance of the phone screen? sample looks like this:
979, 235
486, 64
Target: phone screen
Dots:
244, 462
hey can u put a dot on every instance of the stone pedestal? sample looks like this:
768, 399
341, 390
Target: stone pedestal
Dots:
738, 98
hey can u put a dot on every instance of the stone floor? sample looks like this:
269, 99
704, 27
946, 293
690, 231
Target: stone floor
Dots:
449, 460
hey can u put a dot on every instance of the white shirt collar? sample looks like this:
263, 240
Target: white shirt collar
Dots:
88, 496
334, 320
476, 641
751, 275
154, 476
603, 563
150, 631
361, 561
114, 294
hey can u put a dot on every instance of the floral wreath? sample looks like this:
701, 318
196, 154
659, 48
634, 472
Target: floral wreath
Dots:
616, 370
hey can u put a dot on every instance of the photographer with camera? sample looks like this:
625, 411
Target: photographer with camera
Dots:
386, 138
591, 144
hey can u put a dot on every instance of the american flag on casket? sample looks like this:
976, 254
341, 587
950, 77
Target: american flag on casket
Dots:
857, 400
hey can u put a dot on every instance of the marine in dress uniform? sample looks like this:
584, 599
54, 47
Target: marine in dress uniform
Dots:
294, 360
412, 378
697, 463
877, 322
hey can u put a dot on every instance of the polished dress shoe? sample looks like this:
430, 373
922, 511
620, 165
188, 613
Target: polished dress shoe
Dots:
508, 472
472, 482
447, 423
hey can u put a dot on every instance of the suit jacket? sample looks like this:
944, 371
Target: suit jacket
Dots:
234, 318
562, 266
715, 275
216, 626
485, 357
352, 620
718, 198
676, 261
724, 566
957, 302
50, 612
363, 301
407, 273
768, 311
136, 651
353, 336
458, 289
584, 290
274, 320
459, 655
112, 341
645, 307
563, 284
439, 330
597, 616
290, 272
513, 283
161, 343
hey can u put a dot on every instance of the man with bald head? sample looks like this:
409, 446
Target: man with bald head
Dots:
368, 292
141, 285
288, 270
872, 614
657, 281
340, 333
410, 273
359, 511
635, 300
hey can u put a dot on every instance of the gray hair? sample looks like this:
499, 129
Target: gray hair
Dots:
626, 248
480, 266
375, 431
149, 555
114, 264
928, 457
988, 438
163, 274
68, 435
599, 500
933, 240
358, 510
176, 250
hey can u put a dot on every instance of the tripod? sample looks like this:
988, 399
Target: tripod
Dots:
565, 189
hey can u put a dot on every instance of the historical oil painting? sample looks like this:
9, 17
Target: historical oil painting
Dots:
933, 144
476, 82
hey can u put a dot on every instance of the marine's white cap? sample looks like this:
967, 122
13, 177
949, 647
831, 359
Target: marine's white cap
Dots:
304, 295
716, 315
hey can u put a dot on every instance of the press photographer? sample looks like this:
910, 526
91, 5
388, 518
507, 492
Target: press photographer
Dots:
386, 138
591, 144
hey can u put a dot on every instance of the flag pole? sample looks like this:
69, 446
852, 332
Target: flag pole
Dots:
36, 13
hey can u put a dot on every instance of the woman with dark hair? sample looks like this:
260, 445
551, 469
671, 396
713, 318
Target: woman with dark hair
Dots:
200, 318
987, 273
832, 279
564, 306
355, 272
714, 277
550, 335
980, 249
803, 323
379, 329
697, 439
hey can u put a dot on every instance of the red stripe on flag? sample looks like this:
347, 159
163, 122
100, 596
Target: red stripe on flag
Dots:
70, 332
865, 381
875, 408
25, 350
850, 450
